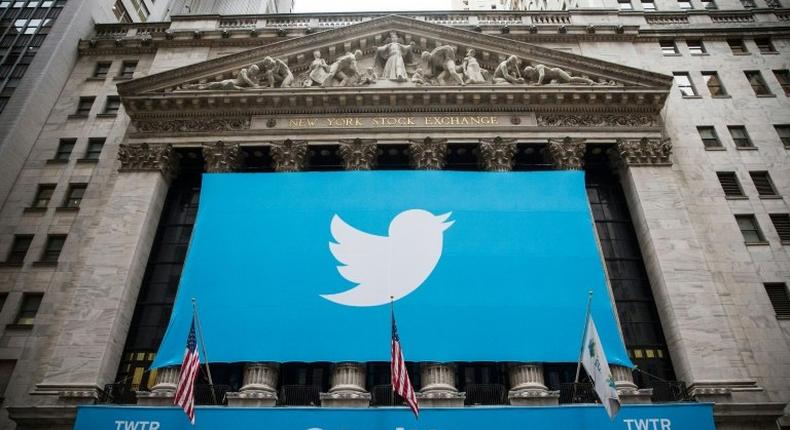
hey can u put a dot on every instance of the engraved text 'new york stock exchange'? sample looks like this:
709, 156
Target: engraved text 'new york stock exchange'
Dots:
394, 121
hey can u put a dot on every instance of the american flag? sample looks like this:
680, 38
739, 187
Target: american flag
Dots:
185, 391
401, 383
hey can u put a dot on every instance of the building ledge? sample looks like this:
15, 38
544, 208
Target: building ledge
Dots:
67, 209
19, 326
32, 210
45, 263
761, 243
11, 264
77, 116
57, 161
87, 160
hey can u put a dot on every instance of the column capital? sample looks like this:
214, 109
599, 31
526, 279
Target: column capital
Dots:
358, 154
148, 157
643, 152
289, 155
567, 153
428, 153
222, 157
497, 154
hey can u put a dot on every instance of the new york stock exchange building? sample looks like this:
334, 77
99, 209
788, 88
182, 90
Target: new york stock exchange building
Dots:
486, 175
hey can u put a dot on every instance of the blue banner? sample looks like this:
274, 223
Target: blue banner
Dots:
481, 267
686, 416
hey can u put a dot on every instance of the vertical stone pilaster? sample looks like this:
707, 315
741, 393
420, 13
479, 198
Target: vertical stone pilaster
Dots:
497, 154
348, 387
221, 157
527, 387
260, 386
358, 154
627, 389
438, 386
103, 292
567, 153
289, 155
428, 154
164, 391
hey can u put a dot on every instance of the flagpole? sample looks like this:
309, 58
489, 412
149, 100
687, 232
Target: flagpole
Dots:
584, 333
203, 347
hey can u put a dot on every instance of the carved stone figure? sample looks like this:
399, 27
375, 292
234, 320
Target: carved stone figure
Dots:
318, 71
276, 73
248, 77
418, 78
440, 64
473, 73
368, 78
343, 72
507, 72
540, 74
391, 59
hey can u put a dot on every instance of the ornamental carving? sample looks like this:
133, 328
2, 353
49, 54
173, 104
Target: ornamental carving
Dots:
428, 154
221, 157
143, 157
567, 153
192, 125
269, 73
358, 154
289, 155
597, 120
497, 154
644, 152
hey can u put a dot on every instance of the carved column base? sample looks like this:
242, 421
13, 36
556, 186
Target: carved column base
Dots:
155, 398
259, 390
533, 397
627, 390
252, 399
441, 399
528, 388
438, 386
345, 399
348, 387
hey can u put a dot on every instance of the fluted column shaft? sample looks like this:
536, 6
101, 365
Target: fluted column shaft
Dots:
260, 386
438, 386
527, 387
166, 379
627, 390
348, 387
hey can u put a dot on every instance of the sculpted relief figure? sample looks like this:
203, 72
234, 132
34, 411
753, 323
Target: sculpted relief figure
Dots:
318, 71
248, 77
473, 73
276, 72
507, 72
391, 59
440, 64
343, 72
540, 74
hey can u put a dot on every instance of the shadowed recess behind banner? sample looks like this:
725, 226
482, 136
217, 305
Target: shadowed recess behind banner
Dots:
482, 267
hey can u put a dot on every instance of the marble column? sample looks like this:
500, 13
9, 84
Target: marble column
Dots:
289, 155
428, 154
96, 314
221, 157
567, 153
260, 386
627, 389
527, 387
348, 387
438, 386
358, 154
496, 155
163, 392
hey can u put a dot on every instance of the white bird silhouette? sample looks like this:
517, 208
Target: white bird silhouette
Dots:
385, 267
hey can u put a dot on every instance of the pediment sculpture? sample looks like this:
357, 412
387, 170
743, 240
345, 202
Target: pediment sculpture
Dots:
393, 64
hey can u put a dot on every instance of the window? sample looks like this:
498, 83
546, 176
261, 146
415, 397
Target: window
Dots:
757, 82
43, 195
749, 228
737, 47
625, 5
764, 184
121, 13
95, 145
74, 196
748, 4
684, 84
712, 81
695, 47
709, 137
53, 247
84, 106
708, 4
783, 76
112, 105
668, 47
19, 249
101, 70
648, 5
784, 134
64, 149
685, 4
765, 46
127, 70
142, 9
739, 136
780, 299
29, 309
781, 223
730, 185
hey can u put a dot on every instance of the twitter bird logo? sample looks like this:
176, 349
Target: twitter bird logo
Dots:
387, 266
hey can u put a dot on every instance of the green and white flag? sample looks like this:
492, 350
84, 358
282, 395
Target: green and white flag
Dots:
597, 367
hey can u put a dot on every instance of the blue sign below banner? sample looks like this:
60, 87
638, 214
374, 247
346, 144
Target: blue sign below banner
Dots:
685, 416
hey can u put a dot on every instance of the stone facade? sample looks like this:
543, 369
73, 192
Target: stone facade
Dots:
723, 336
